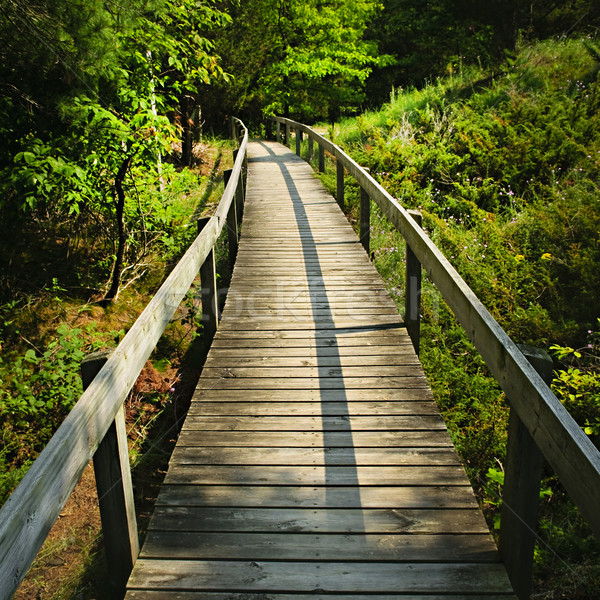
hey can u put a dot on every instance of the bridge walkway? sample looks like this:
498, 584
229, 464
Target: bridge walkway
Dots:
313, 462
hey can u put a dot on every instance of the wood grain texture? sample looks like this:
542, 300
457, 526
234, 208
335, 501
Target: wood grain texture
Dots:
268, 576
313, 459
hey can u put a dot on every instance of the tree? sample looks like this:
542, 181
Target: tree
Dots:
86, 100
306, 58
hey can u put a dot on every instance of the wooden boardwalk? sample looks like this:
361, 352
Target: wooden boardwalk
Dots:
313, 462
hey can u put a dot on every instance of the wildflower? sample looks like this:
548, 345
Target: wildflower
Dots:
546, 256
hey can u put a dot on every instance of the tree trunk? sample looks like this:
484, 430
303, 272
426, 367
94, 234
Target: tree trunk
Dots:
119, 196
187, 133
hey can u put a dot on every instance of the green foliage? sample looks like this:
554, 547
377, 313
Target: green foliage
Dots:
505, 173
305, 58
578, 385
442, 37
38, 389
90, 113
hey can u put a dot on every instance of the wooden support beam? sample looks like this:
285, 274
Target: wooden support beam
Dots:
298, 141
208, 280
115, 490
365, 220
232, 222
340, 184
520, 497
321, 159
412, 299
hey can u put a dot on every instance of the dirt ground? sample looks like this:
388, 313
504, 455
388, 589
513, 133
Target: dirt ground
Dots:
74, 535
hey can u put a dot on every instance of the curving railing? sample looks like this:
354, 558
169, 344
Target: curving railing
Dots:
95, 427
539, 425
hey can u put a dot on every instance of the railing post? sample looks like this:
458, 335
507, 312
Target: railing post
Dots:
298, 141
278, 131
412, 298
232, 221
310, 149
365, 219
232, 128
288, 134
340, 183
521, 492
115, 490
240, 194
208, 281
321, 159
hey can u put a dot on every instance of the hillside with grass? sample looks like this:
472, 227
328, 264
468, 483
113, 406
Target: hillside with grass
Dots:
504, 166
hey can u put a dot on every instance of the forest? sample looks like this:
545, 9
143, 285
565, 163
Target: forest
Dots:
485, 116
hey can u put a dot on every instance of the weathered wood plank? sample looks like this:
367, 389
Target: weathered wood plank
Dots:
312, 456
321, 371
318, 520
304, 423
327, 577
334, 439
318, 497
396, 395
311, 409
307, 547
170, 595
330, 361
331, 475
303, 383
352, 336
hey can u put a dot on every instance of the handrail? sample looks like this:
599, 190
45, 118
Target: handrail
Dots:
32, 509
565, 446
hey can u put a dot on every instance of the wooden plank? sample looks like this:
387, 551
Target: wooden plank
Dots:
301, 360
403, 497
396, 395
334, 439
321, 371
330, 475
393, 352
303, 423
308, 547
339, 577
352, 336
302, 383
199, 455
319, 520
170, 595
219, 408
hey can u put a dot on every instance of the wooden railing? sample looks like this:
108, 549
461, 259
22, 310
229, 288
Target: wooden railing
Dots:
539, 425
95, 427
